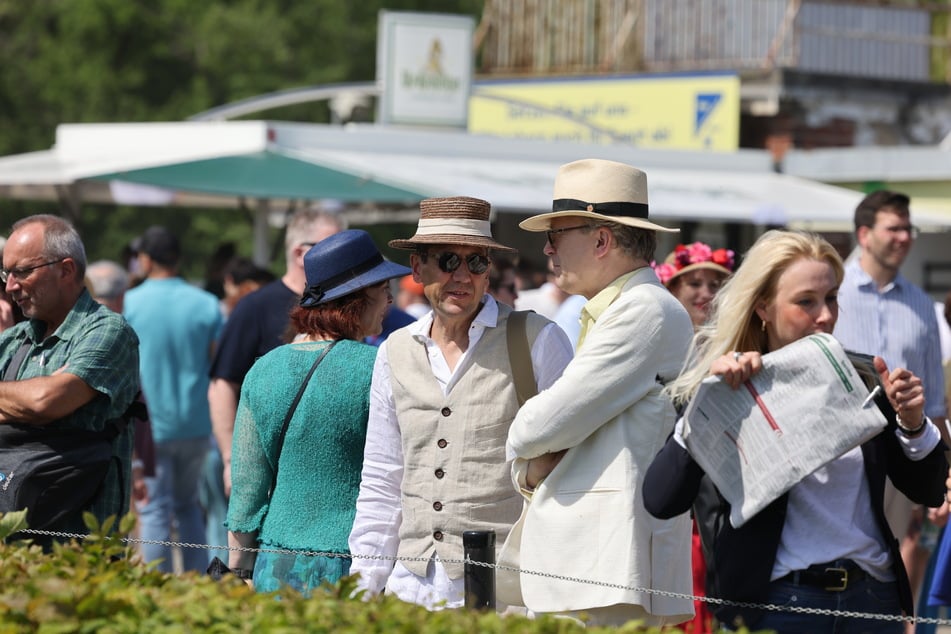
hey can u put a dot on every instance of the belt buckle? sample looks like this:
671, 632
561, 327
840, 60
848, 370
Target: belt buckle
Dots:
842, 585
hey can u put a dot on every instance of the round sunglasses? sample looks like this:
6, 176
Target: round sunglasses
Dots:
448, 262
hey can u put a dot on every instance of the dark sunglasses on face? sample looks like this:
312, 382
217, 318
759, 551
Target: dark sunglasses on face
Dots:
448, 262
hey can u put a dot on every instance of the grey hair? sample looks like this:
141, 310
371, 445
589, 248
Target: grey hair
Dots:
634, 241
302, 222
60, 240
107, 280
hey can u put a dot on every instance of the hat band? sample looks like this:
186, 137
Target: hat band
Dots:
317, 291
636, 210
454, 226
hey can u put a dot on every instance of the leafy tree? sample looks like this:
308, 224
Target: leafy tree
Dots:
164, 60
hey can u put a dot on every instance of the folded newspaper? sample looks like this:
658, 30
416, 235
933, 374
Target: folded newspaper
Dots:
806, 407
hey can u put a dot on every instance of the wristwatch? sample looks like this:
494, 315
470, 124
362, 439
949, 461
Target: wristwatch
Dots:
242, 573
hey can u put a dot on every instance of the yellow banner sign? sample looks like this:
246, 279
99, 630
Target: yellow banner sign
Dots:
690, 112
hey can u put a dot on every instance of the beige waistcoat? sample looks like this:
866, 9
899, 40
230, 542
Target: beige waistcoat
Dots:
455, 474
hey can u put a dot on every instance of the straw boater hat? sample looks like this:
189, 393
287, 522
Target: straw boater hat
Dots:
601, 190
456, 220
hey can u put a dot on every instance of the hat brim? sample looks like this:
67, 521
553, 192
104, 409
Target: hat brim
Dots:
710, 266
385, 271
474, 241
542, 222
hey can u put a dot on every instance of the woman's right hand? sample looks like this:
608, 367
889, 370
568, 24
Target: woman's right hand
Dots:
737, 367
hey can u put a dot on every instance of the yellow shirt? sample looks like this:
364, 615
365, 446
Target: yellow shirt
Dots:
600, 302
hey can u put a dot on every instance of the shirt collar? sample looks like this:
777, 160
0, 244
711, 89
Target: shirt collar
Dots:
600, 302
864, 281
85, 305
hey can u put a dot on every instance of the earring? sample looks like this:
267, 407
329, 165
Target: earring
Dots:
762, 326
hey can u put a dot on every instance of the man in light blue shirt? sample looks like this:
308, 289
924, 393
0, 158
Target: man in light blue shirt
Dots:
882, 313
177, 324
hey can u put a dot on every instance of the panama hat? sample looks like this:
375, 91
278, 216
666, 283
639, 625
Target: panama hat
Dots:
456, 220
601, 190
343, 263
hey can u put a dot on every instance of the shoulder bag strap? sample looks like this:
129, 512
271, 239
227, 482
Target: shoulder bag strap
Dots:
520, 356
17, 361
293, 408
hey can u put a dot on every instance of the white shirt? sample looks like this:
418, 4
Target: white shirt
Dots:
379, 514
820, 524
568, 317
544, 300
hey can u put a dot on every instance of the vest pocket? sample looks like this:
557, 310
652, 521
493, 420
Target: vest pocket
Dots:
504, 511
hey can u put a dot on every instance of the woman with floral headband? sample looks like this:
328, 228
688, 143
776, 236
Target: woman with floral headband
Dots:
694, 273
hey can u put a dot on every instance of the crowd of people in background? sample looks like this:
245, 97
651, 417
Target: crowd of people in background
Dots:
373, 411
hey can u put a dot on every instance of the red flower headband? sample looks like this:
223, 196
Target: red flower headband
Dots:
693, 256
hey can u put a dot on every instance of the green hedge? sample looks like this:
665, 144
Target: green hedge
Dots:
93, 587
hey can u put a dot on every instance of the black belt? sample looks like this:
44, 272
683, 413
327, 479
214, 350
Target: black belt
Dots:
834, 577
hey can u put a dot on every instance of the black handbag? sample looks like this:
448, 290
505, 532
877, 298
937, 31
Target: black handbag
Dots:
53, 472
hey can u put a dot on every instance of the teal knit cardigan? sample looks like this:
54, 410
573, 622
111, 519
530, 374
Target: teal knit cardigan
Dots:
313, 504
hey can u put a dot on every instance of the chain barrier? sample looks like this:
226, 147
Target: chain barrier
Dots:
537, 573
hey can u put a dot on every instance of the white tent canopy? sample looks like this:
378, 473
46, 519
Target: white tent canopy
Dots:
223, 162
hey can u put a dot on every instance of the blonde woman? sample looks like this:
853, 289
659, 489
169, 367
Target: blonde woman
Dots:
825, 543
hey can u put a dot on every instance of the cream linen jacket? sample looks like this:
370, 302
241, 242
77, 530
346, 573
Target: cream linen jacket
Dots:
587, 519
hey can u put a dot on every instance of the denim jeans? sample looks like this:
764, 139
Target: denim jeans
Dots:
867, 596
215, 502
173, 499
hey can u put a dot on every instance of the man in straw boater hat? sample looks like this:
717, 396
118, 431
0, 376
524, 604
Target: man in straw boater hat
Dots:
441, 401
581, 447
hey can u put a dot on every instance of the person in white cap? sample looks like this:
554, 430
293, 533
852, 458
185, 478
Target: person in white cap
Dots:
581, 447
441, 400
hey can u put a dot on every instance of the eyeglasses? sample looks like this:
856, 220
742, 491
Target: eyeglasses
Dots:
448, 262
553, 232
22, 273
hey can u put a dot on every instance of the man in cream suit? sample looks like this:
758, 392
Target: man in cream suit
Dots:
582, 446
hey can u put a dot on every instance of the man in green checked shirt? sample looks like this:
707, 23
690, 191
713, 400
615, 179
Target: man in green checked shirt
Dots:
81, 367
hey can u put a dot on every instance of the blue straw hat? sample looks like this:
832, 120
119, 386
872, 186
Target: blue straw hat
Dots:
343, 263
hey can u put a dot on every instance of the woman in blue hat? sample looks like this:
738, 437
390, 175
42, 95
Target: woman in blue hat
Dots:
302, 419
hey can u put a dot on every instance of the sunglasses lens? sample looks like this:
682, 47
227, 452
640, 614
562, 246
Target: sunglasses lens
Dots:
449, 262
477, 263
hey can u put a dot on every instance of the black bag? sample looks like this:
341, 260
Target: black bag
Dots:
53, 473
217, 569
